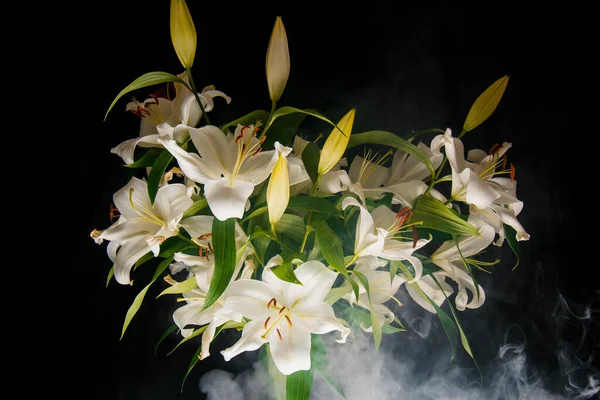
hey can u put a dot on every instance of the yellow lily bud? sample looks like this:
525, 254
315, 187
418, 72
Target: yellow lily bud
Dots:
336, 143
278, 191
183, 32
278, 61
485, 104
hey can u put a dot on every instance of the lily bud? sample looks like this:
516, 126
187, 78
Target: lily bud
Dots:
278, 191
278, 61
183, 32
336, 143
485, 104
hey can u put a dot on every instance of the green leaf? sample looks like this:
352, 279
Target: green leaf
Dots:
512, 243
466, 265
173, 245
248, 119
435, 215
331, 247
292, 226
311, 203
291, 110
148, 256
146, 160
193, 363
194, 334
111, 273
390, 139
137, 302
181, 287
166, 333
285, 272
156, 173
283, 130
374, 320
148, 79
389, 329
310, 158
223, 241
299, 385
195, 208
259, 211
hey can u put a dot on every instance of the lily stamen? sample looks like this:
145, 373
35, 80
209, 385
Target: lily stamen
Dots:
415, 236
282, 309
267, 323
279, 334
513, 171
113, 213
272, 301
289, 321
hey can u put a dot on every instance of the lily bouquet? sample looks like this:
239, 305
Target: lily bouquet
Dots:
298, 241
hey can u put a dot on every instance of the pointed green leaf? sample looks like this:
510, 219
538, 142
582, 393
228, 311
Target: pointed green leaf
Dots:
390, 139
374, 320
248, 119
291, 110
292, 226
331, 248
299, 385
137, 302
171, 246
223, 241
148, 256
310, 158
512, 243
285, 272
193, 363
435, 215
156, 173
146, 160
311, 203
195, 208
389, 329
111, 273
259, 211
195, 333
467, 266
166, 333
283, 130
181, 287
148, 79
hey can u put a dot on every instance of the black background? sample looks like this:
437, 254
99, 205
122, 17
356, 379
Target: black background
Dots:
404, 67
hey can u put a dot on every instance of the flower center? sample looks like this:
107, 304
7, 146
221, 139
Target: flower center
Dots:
371, 163
274, 321
145, 213
246, 147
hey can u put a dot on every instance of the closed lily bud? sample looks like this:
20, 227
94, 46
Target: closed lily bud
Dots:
278, 61
183, 32
278, 191
485, 104
336, 143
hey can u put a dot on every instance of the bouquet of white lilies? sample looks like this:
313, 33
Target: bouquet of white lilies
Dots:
286, 238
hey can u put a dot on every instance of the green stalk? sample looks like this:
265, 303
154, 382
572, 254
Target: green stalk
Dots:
194, 91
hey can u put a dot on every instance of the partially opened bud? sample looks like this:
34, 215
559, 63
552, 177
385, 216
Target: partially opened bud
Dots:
278, 61
183, 32
278, 191
336, 143
485, 104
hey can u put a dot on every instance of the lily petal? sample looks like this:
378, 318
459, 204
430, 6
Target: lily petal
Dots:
128, 254
191, 164
250, 298
292, 353
225, 200
251, 340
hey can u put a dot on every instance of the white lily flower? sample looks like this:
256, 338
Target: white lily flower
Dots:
161, 116
376, 235
284, 314
142, 227
448, 258
202, 268
381, 287
229, 166
474, 182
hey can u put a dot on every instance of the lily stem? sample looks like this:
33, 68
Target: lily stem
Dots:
179, 235
194, 91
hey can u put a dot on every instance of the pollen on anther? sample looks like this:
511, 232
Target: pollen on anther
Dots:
279, 334
289, 321
272, 301
415, 236
267, 322
282, 308
513, 172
